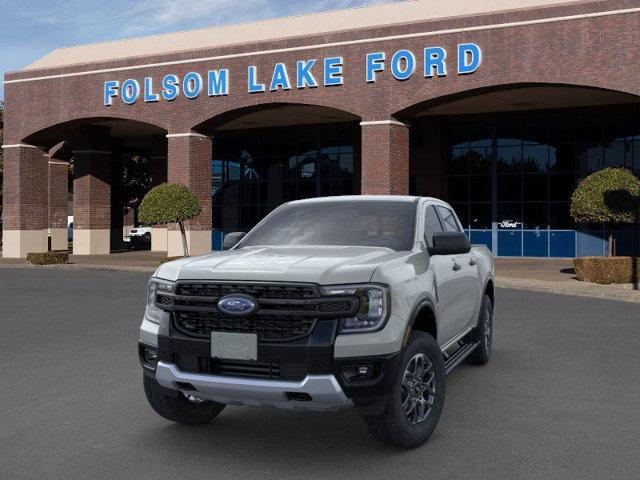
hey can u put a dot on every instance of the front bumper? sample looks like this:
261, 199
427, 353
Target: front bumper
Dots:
314, 392
300, 374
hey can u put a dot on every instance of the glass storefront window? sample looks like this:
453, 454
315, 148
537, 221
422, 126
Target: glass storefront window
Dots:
534, 160
254, 171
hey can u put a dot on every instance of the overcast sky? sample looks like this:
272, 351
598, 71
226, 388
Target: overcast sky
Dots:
30, 29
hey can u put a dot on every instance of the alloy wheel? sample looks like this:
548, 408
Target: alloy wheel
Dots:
418, 389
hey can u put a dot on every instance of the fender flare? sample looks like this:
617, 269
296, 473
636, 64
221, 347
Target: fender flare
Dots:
423, 301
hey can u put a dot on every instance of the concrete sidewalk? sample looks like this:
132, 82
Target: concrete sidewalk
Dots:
556, 276
540, 275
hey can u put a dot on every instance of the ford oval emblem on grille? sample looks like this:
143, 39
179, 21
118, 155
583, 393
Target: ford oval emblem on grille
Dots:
237, 305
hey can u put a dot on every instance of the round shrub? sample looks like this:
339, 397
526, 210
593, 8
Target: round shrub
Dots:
611, 195
168, 203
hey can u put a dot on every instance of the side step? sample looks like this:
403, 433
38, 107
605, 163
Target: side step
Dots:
456, 359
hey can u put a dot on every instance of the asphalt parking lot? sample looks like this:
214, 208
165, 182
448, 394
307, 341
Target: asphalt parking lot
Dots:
558, 400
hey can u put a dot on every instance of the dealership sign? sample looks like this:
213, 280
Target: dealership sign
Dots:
308, 73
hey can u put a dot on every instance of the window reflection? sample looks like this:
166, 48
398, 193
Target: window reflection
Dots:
538, 159
255, 171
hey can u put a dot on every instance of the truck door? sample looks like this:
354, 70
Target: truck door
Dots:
465, 275
455, 292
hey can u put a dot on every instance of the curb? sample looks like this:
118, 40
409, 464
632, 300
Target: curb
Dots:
75, 266
630, 296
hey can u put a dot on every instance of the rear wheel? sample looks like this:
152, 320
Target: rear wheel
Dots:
185, 410
483, 333
417, 398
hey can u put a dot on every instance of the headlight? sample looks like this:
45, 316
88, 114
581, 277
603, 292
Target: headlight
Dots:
374, 307
152, 312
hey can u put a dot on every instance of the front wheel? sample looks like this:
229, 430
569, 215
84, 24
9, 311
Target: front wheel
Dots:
417, 398
187, 411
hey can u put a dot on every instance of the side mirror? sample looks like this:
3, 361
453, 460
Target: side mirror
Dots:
231, 239
449, 243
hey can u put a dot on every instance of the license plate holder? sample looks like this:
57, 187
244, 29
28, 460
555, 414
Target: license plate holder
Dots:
234, 346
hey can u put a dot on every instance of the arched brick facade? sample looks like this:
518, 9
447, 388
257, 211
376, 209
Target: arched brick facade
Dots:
589, 43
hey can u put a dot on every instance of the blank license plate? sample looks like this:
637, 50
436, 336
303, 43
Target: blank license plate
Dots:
234, 346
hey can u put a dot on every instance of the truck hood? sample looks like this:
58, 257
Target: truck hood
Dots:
324, 265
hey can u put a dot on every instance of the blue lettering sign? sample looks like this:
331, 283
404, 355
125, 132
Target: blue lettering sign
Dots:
333, 71
218, 82
469, 58
130, 91
434, 59
403, 64
149, 96
280, 78
254, 87
110, 92
375, 63
170, 87
192, 85
304, 77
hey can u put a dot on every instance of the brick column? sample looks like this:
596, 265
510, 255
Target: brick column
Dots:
58, 191
92, 192
25, 212
159, 175
385, 158
189, 164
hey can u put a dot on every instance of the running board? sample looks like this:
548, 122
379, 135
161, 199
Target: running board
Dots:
456, 359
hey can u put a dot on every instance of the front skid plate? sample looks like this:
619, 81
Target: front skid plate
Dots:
324, 390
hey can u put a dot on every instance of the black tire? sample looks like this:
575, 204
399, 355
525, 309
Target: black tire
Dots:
179, 409
483, 333
393, 427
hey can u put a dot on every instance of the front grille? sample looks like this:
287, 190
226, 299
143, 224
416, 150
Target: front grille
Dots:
239, 368
269, 328
284, 312
258, 291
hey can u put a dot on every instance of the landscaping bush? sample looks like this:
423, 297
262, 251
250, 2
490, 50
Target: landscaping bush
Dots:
48, 258
169, 259
607, 270
611, 195
170, 203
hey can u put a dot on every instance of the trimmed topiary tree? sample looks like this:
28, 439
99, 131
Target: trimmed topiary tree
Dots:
170, 203
611, 195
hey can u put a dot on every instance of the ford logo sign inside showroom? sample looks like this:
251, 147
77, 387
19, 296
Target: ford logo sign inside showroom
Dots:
236, 305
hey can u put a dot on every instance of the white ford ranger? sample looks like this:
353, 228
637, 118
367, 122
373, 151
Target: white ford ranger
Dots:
328, 303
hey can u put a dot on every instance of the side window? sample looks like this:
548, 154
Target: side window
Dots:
431, 225
449, 222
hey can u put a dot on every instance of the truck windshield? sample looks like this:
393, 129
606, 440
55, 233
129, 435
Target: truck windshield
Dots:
378, 223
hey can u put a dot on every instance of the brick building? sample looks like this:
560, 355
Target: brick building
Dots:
498, 106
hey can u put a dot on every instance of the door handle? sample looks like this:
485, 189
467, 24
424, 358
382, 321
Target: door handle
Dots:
456, 266
473, 262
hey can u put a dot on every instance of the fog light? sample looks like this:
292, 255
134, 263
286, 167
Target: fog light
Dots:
150, 357
362, 373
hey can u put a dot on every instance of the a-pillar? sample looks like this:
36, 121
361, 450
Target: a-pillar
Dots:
92, 192
25, 212
58, 192
189, 164
159, 175
385, 158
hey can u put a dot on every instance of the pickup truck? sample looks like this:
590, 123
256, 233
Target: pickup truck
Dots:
328, 303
